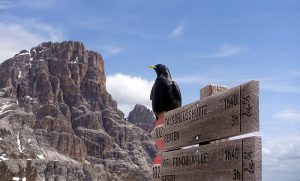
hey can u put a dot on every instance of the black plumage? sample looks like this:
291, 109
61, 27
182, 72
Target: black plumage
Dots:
165, 93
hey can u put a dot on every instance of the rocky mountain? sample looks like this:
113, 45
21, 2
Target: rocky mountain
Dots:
142, 117
58, 122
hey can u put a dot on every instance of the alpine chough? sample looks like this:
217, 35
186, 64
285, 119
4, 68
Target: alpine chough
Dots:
165, 93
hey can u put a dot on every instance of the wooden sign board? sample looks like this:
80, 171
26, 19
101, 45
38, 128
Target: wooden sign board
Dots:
210, 90
229, 160
230, 113
156, 172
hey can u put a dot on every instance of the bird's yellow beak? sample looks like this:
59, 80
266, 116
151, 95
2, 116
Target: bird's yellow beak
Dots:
152, 66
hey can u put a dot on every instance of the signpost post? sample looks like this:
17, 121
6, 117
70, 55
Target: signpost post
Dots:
202, 123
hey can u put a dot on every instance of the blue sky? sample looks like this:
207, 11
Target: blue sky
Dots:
202, 42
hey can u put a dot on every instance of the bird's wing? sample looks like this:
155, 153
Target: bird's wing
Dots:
176, 92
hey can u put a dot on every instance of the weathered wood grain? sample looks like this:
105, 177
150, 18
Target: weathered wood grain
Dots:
230, 113
211, 90
230, 160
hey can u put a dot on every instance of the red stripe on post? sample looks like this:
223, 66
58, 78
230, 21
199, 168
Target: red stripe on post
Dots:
157, 159
160, 144
160, 120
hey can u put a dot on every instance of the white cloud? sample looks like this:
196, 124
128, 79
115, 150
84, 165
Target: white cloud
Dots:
291, 115
16, 35
126, 108
281, 158
110, 50
32, 4
38, 4
6, 5
214, 77
177, 32
282, 82
14, 38
225, 50
285, 81
129, 90
280, 86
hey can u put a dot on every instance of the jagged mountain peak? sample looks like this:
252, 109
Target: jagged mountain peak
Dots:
142, 117
55, 110
69, 65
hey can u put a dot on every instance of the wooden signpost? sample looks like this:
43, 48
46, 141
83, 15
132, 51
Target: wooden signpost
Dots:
231, 112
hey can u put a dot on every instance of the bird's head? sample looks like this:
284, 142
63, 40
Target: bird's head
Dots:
161, 69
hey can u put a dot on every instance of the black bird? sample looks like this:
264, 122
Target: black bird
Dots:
165, 93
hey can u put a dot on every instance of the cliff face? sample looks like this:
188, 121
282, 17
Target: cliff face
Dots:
57, 120
142, 117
